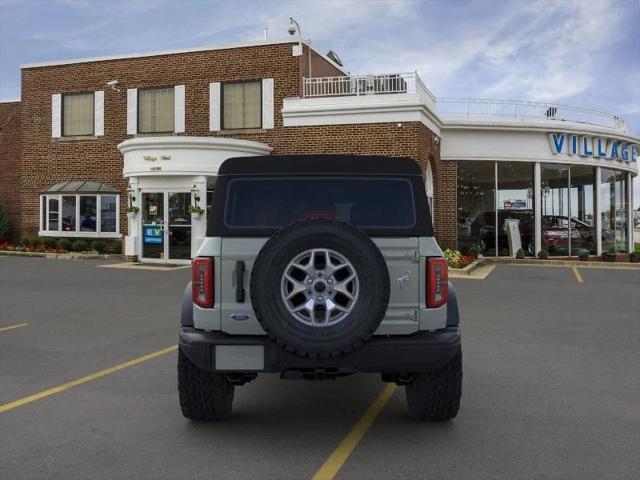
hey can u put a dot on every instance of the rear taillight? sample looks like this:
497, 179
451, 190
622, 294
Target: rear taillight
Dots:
202, 281
437, 282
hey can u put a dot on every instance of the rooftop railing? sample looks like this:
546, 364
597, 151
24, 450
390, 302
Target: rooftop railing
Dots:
399, 83
356, 85
478, 107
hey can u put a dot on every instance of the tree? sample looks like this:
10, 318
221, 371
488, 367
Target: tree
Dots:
4, 223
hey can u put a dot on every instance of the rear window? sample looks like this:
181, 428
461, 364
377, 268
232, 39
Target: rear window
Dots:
273, 202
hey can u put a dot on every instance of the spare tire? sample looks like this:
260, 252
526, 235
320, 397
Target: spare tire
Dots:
320, 288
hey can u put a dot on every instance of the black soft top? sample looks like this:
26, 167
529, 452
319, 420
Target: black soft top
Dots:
319, 164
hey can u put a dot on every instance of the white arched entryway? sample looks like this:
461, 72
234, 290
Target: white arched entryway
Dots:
167, 175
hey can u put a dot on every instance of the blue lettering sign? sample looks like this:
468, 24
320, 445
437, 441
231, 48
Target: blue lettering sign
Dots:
153, 235
557, 142
614, 150
600, 150
585, 147
624, 152
573, 148
634, 153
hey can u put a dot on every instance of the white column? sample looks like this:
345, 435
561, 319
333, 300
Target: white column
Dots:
132, 239
598, 218
537, 195
630, 212
199, 226
98, 113
214, 107
179, 101
132, 111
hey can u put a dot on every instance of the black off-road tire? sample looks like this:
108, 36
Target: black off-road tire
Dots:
310, 341
203, 395
435, 396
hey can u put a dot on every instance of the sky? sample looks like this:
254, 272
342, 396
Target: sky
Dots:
576, 52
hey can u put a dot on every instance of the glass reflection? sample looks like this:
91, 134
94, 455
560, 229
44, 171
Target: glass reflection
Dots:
515, 206
476, 206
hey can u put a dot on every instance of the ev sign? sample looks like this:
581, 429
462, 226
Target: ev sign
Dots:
596, 147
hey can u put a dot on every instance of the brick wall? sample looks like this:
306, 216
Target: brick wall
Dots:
10, 162
46, 160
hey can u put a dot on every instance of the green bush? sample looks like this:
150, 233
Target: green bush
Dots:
543, 254
474, 252
520, 253
635, 257
48, 242
79, 246
4, 223
583, 254
115, 246
611, 250
98, 246
65, 244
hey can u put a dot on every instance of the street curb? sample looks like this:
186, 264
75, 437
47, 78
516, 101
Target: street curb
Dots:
564, 263
469, 269
62, 256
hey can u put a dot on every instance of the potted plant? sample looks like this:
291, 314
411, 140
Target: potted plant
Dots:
583, 254
610, 255
195, 211
132, 211
543, 254
520, 253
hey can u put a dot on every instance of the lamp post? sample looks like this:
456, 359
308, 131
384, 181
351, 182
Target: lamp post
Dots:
294, 28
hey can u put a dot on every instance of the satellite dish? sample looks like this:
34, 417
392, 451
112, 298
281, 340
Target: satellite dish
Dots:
334, 57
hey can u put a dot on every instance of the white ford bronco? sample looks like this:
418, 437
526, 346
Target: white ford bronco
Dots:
316, 267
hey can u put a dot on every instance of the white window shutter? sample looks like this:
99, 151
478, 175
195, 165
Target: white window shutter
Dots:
98, 112
214, 107
132, 111
179, 108
56, 115
267, 103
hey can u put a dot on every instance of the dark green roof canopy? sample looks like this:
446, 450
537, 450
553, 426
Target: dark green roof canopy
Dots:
80, 186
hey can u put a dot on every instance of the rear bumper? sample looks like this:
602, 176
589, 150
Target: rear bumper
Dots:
420, 352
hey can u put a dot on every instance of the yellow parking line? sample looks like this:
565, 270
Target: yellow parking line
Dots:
330, 468
577, 274
11, 327
79, 381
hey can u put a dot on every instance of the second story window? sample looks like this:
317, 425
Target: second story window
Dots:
156, 110
78, 114
242, 105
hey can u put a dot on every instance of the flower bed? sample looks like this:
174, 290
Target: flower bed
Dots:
63, 245
455, 259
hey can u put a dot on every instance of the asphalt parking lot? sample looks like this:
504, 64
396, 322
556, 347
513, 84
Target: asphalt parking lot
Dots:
551, 386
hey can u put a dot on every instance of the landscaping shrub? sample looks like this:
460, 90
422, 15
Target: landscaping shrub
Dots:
115, 246
635, 257
456, 260
65, 244
98, 246
610, 255
79, 246
47, 242
583, 254
543, 254
474, 252
520, 253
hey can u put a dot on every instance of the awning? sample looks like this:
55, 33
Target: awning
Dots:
80, 186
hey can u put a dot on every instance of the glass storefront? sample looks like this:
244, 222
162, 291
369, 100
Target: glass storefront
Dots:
476, 206
614, 210
515, 205
554, 191
567, 208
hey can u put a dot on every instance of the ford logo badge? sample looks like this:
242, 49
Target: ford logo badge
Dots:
240, 317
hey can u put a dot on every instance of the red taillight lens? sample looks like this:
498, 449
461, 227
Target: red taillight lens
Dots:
202, 281
437, 282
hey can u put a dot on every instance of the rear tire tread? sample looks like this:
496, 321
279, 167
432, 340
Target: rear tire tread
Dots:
435, 396
203, 395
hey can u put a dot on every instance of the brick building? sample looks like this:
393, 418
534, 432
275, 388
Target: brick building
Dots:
91, 137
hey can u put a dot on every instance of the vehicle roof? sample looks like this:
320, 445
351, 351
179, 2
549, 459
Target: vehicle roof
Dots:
320, 164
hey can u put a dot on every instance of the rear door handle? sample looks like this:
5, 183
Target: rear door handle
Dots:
240, 281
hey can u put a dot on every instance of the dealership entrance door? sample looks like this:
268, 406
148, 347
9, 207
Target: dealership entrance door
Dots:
166, 227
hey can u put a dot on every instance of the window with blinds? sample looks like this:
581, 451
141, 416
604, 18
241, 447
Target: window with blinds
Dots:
156, 110
77, 114
242, 105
